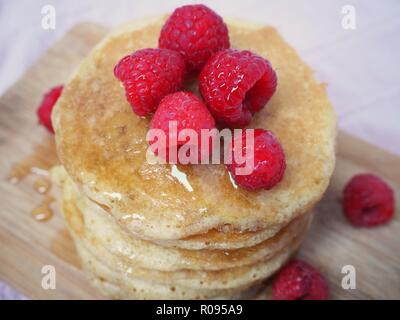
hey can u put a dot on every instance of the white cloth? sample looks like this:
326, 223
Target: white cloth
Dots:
361, 66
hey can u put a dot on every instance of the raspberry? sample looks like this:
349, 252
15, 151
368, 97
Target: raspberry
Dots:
148, 75
196, 32
235, 85
368, 201
269, 161
46, 106
189, 113
299, 281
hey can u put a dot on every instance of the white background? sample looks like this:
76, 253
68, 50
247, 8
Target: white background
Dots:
361, 66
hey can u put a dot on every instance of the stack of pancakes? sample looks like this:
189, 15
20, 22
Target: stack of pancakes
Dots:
160, 231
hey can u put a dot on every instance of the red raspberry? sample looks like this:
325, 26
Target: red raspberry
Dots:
269, 161
196, 32
148, 75
235, 85
299, 281
46, 106
189, 113
368, 201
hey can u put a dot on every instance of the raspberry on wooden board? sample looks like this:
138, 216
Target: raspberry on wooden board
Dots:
46, 106
298, 280
368, 201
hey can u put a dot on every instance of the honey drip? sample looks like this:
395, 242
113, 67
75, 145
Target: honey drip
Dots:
38, 163
42, 185
43, 157
43, 212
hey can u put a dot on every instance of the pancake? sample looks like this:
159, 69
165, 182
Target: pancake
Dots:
93, 223
212, 239
238, 278
216, 239
101, 144
114, 285
114, 291
229, 278
148, 255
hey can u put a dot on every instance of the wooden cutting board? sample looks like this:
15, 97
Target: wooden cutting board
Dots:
26, 245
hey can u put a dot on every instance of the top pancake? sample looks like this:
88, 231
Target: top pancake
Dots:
102, 145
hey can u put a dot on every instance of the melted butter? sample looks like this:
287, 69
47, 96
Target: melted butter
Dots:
43, 212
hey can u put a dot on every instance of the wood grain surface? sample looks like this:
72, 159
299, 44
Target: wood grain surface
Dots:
26, 245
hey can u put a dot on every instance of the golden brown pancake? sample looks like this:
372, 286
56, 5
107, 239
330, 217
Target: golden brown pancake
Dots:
93, 224
218, 239
101, 143
115, 285
212, 239
235, 278
238, 278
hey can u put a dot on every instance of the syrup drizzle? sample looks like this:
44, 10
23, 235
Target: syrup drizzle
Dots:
38, 163
43, 212
181, 177
43, 157
42, 185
